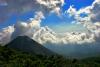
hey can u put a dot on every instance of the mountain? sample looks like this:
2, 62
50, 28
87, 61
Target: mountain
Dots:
27, 44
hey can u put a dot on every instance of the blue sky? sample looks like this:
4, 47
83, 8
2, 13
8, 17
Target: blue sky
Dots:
77, 3
50, 20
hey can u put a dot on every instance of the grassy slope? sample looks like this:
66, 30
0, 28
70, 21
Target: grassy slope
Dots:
13, 58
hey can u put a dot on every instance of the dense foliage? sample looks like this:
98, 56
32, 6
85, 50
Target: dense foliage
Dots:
13, 58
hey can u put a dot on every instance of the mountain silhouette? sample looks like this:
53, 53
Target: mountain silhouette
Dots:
26, 44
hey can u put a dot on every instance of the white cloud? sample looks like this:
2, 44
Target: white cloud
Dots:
35, 22
51, 5
92, 12
45, 34
23, 28
71, 11
91, 21
22, 7
5, 34
95, 13
41, 8
3, 3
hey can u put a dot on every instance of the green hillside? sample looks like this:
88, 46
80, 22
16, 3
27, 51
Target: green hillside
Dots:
13, 58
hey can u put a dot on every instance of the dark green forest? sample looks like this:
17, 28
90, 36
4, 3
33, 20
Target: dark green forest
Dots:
15, 58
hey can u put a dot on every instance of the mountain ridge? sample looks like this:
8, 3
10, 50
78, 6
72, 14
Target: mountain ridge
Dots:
26, 44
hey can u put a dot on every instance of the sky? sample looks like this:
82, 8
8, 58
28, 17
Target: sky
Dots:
77, 20
64, 26
9, 15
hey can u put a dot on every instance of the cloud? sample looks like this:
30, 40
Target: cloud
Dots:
90, 20
23, 28
92, 11
5, 34
43, 35
95, 16
18, 7
35, 22
51, 5
3, 3
46, 35
71, 11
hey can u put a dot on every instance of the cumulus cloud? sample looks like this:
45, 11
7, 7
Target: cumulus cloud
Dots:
95, 17
46, 35
43, 35
5, 34
79, 38
44, 7
90, 20
18, 7
53, 6
71, 11
23, 28
3, 3
92, 12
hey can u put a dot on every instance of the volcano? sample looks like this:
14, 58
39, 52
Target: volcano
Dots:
26, 44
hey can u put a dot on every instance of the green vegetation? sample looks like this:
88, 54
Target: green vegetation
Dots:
13, 58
